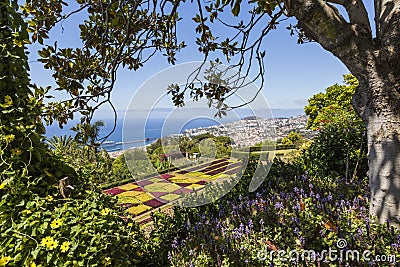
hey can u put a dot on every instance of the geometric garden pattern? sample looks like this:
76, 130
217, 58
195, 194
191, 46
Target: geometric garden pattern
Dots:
151, 193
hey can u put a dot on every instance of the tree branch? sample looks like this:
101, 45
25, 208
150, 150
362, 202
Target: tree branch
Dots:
387, 21
357, 14
339, 2
384, 10
323, 23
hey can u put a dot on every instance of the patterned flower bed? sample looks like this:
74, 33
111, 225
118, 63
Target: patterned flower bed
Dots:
220, 176
114, 191
233, 171
181, 179
144, 195
128, 187
137, 210
201, 166
128, 200
216, 166
166, 176
218, 161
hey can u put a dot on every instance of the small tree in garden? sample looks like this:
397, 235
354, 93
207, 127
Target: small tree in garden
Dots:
293, 139
341, 144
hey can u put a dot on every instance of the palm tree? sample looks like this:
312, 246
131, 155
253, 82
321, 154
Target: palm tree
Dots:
88, 133
60, 144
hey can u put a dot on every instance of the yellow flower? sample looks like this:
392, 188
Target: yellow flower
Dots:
33, 264
10, 138
56, 223
4, 260
16, 152
49, 198
27, 211
49, 243
46, 240
130, 224
3, 185
52, 245
107, 261
65, 246
105, 211
8, 100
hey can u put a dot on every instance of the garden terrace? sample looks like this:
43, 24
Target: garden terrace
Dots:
144, 196
198, 167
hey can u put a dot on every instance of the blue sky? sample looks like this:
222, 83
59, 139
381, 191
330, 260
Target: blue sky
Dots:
293, 72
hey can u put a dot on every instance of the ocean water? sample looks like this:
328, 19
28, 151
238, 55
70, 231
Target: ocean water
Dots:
138, 128
135, 132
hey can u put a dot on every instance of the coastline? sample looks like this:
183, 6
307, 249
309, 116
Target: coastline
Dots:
245, 132
116, 154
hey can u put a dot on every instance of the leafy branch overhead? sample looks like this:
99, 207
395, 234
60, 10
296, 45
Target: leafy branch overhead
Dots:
115, 34
122, 33
126, 34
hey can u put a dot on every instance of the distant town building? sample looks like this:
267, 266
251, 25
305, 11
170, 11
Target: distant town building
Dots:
252, 130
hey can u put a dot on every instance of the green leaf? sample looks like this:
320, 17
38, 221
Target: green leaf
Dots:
49, 256
35, 252
236, 8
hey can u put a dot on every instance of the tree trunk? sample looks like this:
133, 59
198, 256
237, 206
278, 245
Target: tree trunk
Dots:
384, 167
381, 114
376, 64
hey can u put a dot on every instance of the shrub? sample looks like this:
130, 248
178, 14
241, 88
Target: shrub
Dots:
40, 223
338, 151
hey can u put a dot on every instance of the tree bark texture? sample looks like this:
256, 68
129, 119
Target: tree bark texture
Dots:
383, 131
375, 61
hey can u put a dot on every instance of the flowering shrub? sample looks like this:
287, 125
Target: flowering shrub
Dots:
43, 223
62, 232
